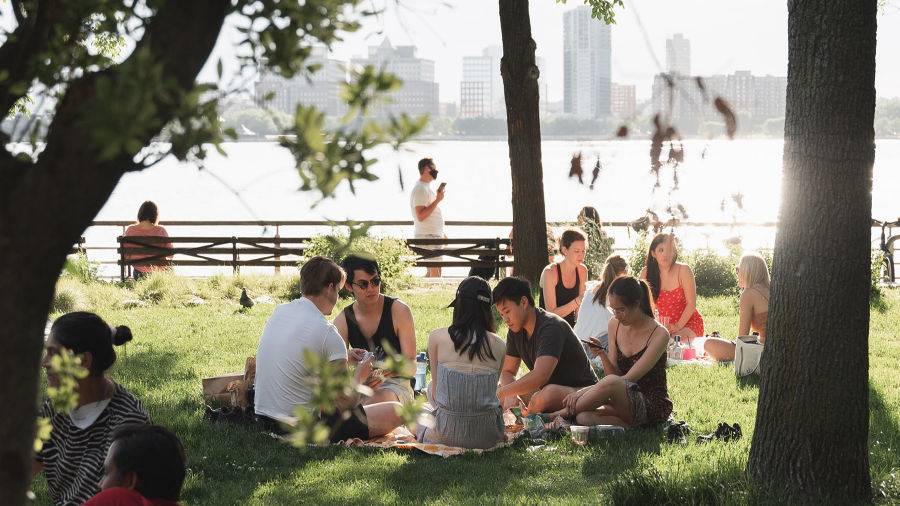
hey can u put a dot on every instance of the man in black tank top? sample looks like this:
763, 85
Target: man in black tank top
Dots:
377, 323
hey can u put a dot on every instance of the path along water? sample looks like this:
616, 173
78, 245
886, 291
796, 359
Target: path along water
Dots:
258, 181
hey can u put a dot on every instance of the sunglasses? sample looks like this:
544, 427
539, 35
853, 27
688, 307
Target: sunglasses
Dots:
363, 284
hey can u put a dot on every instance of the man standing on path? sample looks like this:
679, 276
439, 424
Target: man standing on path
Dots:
429, 223
551, 351
283, 378
377, 322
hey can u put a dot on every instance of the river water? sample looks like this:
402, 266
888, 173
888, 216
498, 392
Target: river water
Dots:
258, 181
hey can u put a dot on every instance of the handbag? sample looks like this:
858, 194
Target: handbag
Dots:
747, 355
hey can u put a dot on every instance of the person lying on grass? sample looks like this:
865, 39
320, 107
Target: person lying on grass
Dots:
283, 377
377, 323
633, 393
548, 345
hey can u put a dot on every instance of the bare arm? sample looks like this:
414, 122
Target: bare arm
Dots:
746, 305
362, 373
423, 212
509, 371
582, 280
534, 380
609, 367
340, 323
405, 329
686, 278
655, 349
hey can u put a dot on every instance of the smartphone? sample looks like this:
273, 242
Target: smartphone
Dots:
591, 344
441, 187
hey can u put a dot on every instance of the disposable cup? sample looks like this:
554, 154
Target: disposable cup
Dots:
580, 434
689, 354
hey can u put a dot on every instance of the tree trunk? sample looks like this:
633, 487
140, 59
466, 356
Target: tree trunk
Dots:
810, 441
45, 206
520, 88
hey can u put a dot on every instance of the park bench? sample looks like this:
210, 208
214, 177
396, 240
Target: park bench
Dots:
489, 255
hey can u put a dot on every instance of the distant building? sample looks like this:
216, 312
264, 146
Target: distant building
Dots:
678, 55
587, 72
322, 89
419, 94
472, 102
623, 100
759, 97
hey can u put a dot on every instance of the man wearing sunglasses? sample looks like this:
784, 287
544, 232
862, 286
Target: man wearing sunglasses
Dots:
427, 217
376, 322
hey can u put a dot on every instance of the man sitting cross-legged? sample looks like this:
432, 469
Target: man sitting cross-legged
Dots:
551, 351
376, 322
283, 380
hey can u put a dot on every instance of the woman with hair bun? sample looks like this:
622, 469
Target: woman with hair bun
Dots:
634, 392
72, 459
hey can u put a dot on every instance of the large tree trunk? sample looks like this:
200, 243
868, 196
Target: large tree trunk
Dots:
810, 441
45, 206
520, 88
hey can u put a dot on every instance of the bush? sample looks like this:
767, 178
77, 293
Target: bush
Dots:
599, 248
394, 258
69, 296
78, 267
713, 274
638, 254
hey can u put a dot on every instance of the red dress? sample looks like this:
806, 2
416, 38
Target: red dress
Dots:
672, 303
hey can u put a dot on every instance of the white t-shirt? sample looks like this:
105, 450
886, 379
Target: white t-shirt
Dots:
593, 319
281, 374
423, 195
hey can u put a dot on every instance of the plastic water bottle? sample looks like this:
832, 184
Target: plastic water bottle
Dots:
656, 314
421, 370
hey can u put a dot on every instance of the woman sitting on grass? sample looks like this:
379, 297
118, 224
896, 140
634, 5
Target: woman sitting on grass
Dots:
562, 282
753, 279
673, 287
633, 393
466, 359
72, 459
594, 316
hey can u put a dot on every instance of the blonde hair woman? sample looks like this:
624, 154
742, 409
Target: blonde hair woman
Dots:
753, 279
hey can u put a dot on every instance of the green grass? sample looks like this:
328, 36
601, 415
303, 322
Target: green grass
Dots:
176, 345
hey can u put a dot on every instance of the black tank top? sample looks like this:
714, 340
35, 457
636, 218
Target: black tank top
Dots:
383, 334
564, 295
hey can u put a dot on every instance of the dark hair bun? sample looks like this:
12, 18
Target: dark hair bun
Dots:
123, 335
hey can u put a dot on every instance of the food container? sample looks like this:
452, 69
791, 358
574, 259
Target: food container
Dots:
580, 434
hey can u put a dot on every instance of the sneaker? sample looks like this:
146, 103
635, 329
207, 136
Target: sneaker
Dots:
736, 432
723, 432
677, 432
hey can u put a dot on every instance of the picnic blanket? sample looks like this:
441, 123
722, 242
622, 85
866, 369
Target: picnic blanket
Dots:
401, 438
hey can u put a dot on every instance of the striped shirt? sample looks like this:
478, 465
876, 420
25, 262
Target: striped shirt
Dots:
73, 458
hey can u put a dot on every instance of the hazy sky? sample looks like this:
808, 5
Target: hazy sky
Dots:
725, 35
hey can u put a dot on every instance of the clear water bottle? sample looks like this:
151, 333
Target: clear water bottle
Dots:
421, 370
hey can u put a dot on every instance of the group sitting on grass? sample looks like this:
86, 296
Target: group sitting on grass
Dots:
107, 441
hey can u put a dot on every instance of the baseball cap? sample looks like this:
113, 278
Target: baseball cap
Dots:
473, 287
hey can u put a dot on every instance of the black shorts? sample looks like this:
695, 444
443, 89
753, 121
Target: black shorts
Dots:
348, 424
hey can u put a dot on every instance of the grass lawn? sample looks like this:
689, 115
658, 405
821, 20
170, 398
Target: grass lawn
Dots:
175, 346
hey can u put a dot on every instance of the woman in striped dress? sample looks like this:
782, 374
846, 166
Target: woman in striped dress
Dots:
466, 359
72, 459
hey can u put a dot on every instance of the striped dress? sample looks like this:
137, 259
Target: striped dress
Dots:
466, 410
73, 458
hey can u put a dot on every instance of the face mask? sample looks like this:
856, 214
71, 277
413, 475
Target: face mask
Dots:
433, 173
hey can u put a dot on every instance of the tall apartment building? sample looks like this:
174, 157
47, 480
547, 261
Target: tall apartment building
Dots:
678, 55
322, 89
623, 100
587, 72
419, 93
769, 96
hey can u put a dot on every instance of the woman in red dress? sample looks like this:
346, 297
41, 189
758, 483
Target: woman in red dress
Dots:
673, 287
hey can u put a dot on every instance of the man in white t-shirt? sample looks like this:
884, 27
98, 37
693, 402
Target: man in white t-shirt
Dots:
282, 377
427, 218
